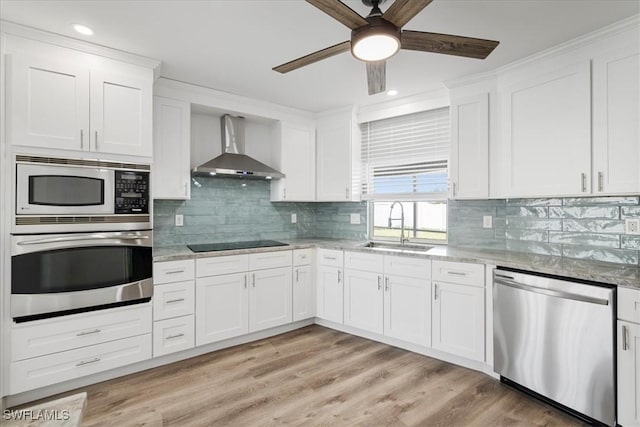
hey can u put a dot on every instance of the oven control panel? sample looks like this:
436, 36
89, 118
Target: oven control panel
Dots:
131, 192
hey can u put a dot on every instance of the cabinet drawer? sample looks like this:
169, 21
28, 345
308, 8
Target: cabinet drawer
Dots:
173, 271
302, 256
67, 365
361, 261
214, 266
173, 300
173, 335
462, 273
629, 304
78, 330
330, 257
264, 260
407, 267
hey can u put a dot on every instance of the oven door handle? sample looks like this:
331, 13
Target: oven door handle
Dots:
82, 238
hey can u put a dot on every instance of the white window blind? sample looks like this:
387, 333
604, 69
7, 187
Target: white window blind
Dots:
406, 156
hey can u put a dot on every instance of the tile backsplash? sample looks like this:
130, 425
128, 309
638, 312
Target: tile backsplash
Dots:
586, 228
228, 209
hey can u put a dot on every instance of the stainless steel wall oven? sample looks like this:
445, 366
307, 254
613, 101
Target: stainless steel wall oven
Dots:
57, 274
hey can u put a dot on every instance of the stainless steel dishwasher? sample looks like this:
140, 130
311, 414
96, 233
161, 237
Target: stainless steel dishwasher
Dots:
555, 337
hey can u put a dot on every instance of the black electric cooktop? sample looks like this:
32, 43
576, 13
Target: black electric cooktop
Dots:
227, 246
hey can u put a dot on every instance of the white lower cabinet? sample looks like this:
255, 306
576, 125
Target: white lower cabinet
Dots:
363, 300
303, 292
222, 307
247, 300
458, 319
270, 302
628, 357
329, 293
389, 296
173, 335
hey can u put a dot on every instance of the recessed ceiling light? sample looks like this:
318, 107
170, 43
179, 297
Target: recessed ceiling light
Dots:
392, 92
83, 29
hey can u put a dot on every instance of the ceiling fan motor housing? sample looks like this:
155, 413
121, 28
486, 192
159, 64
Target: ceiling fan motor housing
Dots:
377, 26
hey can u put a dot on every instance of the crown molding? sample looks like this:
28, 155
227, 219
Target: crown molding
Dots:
36, 34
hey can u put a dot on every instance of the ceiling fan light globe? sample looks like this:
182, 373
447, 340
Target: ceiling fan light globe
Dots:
375, 47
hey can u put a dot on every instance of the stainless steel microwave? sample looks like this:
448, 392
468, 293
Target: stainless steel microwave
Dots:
62, 195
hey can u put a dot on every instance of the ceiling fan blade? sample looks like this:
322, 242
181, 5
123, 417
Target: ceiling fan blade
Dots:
401, 11
341, 12
447, 44
313, 57
376, 76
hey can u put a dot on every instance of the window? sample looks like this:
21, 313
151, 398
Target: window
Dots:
405, 159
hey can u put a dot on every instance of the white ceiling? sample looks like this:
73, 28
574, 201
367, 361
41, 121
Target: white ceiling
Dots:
232, 45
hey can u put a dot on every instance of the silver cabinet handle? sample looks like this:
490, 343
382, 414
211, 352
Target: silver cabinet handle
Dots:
339, 276
284, 193
185, 189
456, 273
82, 139
379, 282
303, 256
171, 337
297, 275
600, 181
435, 291
583, 178
346, 193
332, 258
181, 270
86, 362
96, 140
254, 279
245, 281
173, 301
386, 283
453, 185
89, 332
625, 338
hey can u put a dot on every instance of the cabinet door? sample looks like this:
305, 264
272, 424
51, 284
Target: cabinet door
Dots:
363, 300
304, 302
628, 374
221, 307
270, 298
616, 123
329, 295
121, 114
407, 309
48, 103
334, 139
171, 149
458, 320
298, 163
547, 134
469, 166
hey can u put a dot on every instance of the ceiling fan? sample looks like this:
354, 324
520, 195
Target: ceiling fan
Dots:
379, 36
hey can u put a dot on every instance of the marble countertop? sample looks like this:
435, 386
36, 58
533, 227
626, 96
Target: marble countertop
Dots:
64, 412
615, 274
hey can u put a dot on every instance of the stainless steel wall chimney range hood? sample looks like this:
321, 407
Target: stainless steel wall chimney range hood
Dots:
233, 162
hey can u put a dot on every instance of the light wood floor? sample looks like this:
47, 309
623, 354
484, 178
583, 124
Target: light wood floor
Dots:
313, 376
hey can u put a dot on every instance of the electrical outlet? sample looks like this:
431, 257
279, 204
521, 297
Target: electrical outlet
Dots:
632, 226
355, 218
294, 218
179, 220
487, 221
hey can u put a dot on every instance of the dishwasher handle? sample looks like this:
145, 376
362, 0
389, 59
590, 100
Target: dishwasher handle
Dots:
501, 280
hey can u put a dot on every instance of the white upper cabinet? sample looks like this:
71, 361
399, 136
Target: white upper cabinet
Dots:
338, 144
546, 133
121, 113
616, 122
48, 103
297, 159
64, 105
469, 163
171, 149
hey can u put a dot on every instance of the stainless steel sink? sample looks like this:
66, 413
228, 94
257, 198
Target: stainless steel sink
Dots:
396, 247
